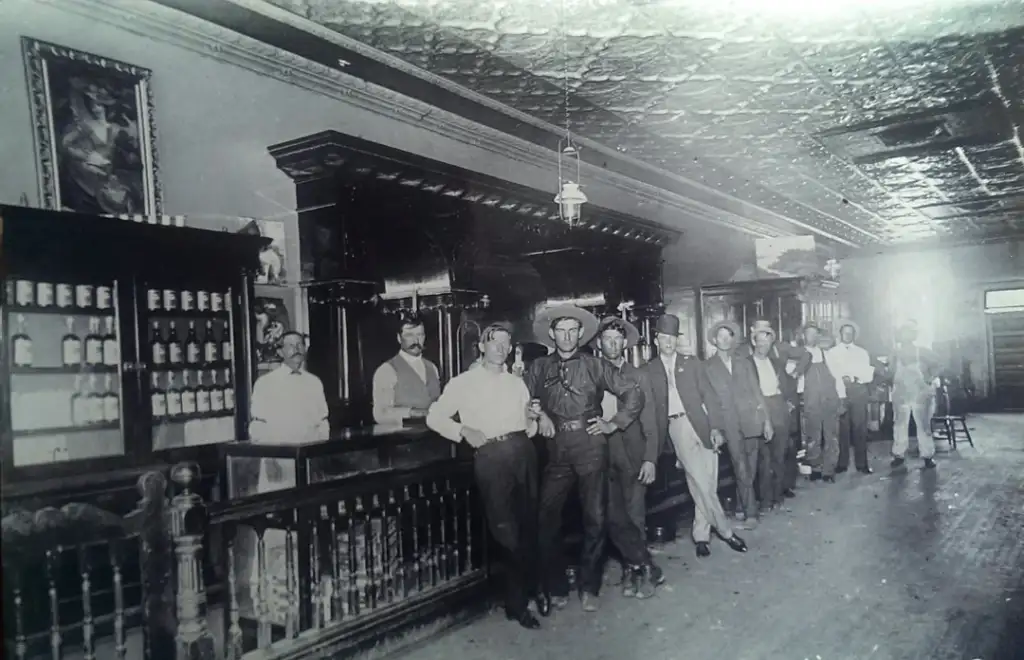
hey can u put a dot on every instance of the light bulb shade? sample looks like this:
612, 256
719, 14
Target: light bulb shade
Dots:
570, 199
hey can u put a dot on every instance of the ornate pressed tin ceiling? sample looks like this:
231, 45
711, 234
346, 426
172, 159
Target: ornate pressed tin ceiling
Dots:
877, 121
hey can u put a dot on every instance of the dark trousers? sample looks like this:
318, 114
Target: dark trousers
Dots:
772, 469
853, 427
795, 443
745, 454
506, 475
574, 459
627, 511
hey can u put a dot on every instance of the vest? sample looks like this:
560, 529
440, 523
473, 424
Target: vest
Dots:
410, 391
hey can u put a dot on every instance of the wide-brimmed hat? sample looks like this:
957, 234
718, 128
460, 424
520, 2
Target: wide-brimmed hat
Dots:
842, 323
732, 325
632, 334
762, 326
668, 324
546, 316
811, 324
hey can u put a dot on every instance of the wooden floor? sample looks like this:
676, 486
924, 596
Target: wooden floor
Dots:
906, 565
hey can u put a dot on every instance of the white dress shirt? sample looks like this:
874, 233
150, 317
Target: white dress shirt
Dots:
385, 379
675, 402
851, 361
288, 408
492, 403
766, 376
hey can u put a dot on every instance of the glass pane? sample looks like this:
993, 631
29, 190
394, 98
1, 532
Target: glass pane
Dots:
65, 356
188, 350
1006, 298
252, 475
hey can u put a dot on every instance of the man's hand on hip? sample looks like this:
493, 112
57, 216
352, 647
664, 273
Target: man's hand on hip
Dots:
473, 436
600, 426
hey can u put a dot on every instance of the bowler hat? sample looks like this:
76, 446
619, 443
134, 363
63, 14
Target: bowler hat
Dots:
842, 323
733, 327
668, 324
546, 316
632, 334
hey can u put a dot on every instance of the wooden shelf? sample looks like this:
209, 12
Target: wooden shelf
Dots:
74, 371
59, 311
192, 314
67, 430
181, 419
219, 366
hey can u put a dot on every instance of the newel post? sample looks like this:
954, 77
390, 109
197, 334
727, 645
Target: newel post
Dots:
193, 640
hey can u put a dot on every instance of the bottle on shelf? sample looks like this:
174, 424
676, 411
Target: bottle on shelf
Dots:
202, 394
157, 346
157, 398
71, 345
111, 347
154, 300
202, 300
187, 301
65, 295
104, 296
79, 405
44, 294
24, 292
173, 397
216, 301
188, 395
170, 300
216, 393
209, 344
173, 344
94, 343
22, 343
225, 342
192, 344
83, 296
229, 391
95, 401
111, 401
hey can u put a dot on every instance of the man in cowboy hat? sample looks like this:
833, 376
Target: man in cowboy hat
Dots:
778, 469
823, 392
687, 410
852, 364
496, 420
632, 456
570, 385
915, 377
747, 424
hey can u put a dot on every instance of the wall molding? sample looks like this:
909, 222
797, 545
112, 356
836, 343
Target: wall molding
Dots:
154, 21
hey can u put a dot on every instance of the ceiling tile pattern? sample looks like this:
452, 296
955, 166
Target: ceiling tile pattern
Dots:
880, 122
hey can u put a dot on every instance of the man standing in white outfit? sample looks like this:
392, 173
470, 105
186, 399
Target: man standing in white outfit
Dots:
915, 377
497, 421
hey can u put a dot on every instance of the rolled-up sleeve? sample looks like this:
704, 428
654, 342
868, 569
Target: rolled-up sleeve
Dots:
441, 412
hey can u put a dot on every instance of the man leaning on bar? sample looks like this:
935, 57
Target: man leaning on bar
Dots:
406, 384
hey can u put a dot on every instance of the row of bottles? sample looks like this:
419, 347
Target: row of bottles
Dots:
95, 404
99, 347
168, 349
91, 401
26, 293
197, 393
172, 300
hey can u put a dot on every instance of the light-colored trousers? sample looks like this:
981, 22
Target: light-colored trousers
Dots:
701, 466
921, 410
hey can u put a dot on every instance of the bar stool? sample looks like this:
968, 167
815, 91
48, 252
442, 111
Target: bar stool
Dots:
945, 426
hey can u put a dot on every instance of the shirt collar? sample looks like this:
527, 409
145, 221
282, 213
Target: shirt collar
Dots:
411, 359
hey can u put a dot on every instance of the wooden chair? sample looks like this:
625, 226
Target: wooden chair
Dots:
946, 425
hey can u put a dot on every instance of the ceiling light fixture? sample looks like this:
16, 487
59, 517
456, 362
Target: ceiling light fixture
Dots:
570, 197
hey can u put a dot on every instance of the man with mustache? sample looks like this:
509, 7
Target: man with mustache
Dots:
406, 385
632, 455
570, 386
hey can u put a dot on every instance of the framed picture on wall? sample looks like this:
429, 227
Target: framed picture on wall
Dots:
274, 316
94, 134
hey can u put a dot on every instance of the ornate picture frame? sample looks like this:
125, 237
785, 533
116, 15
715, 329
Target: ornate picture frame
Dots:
94, 131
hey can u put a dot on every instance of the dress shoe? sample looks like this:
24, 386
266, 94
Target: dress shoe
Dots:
840, 470
703, 549
815, 475
736, 543
526, 620
650, 577
543, 604
929, 463
865, 470
789, 493
829, 479
590, 602
897, 461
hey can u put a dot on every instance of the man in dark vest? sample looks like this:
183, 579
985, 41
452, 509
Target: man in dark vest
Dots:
406, 385
632, 456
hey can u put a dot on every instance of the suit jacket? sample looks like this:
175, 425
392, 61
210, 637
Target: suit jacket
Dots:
787, 384
639, 442
698, 397
739, 394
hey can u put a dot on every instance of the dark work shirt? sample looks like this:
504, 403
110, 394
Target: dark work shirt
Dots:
572, 388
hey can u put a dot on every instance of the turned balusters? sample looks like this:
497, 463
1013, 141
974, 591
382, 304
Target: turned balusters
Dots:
188, 517
233, 625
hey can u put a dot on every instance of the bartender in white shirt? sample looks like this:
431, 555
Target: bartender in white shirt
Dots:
852, 367
288, 408
497, 421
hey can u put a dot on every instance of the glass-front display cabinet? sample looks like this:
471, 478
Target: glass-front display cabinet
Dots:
121, 340
256, 468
